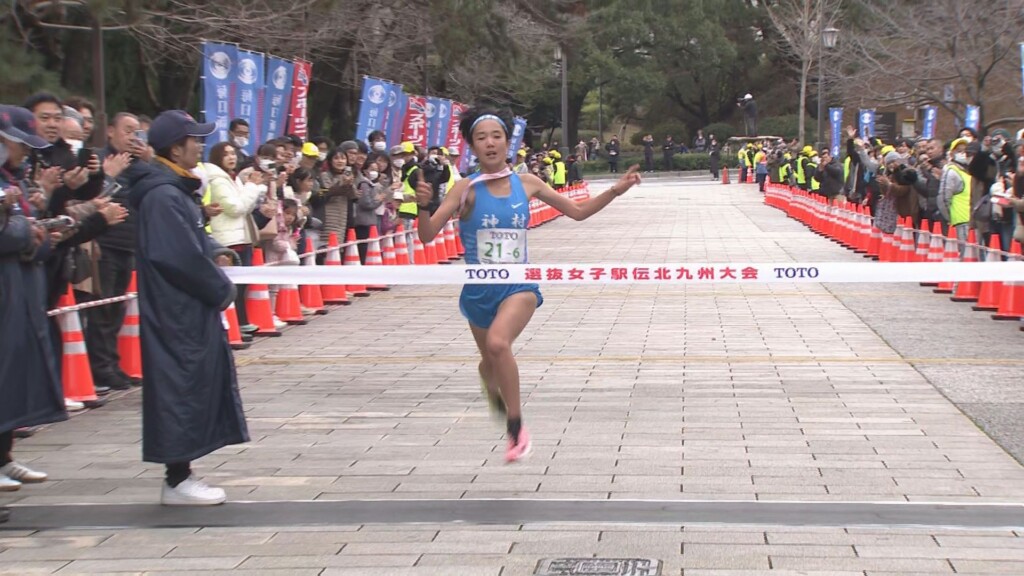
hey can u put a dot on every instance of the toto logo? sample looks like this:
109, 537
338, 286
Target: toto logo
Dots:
377, 94
247, 72
220, 65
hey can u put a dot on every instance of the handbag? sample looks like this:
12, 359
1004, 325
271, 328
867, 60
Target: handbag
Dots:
885, 214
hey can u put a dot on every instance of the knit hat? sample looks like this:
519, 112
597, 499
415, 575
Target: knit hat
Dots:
892, 157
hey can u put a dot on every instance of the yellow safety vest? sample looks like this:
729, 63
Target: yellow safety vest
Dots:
801, 177
409, 209
960, 205
846, 169
559, 176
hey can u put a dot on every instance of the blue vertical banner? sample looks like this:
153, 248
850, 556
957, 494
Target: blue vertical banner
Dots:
397, 102
373, 104
866, 123
972, 119
249, 80
1022, 67
931, 114
438, 135
275, 102
518, 132
835, 118
433, 118
219, 61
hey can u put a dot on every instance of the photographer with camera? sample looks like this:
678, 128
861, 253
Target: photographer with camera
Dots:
895, 188
126, 149
404, 158
929, 175
30, 383
80, 174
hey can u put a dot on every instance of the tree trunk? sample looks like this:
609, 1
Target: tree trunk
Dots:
805, 70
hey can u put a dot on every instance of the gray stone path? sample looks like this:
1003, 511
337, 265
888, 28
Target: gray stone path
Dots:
750, 393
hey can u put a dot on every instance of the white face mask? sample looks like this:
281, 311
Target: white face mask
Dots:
76, 145
960, 158
432, 158
373, 174
380, 146
322, 156
241, 141
266, 164
399, 162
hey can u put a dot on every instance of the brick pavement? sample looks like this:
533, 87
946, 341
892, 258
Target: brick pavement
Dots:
755, 392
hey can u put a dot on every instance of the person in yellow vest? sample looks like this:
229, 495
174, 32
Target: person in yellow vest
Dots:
760, 168
955, 191
811, 172
403, 157
558, 170
786, 169
741, 157
548, 170
801, 172
520, 167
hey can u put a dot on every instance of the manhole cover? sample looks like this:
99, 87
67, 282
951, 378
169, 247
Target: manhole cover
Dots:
599, 567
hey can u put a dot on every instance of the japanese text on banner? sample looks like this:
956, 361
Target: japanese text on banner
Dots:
373, 105
416, 121
278, 96
297, 123
219, 61
250, 85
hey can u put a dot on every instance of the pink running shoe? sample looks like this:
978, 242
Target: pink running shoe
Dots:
519, 450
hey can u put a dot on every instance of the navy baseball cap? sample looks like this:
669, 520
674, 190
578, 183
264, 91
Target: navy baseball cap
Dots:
19, 124
173, 126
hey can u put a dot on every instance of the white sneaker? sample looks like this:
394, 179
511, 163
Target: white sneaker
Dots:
278, 323
9, 484
192, 492
73, 405
22, 473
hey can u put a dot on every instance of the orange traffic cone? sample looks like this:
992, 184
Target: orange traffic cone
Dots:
401, 246
352, 259
459, 248
1011, 299
951, 253
968, 291
924, 238
333, 293
387, 250
934, 249
439, 247
230, 318
373, 257
289, 309
430, 250
257, 303
76, 375
419, 250
725, 175
128, 343
988, 297
309, 294
906, 245
449, 241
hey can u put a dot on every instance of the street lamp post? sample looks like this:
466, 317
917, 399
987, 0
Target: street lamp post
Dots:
828, 40
560, 55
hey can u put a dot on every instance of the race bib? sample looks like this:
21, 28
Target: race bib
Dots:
501, 245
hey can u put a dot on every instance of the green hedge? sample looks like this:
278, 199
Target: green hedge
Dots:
680, 162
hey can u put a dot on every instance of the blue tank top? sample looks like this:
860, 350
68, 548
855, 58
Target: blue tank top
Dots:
491, 212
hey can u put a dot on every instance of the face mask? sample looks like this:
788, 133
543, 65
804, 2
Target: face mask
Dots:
960, 158
5, 154
241, 141
968, 138
399, 162
266, 164
76, 145
373, 174
295, 162
322, 156
380, 146
432, 158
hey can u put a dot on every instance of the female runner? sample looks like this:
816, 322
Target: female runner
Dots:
494, 212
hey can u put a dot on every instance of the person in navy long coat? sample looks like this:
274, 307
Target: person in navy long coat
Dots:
191, 403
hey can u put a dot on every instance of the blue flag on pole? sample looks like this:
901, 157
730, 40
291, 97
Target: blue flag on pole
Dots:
438, 134
518, 132
397, 103
278, 95
972, 119
931, 113
835, 117
249, 86
219, 61
434, 105
373, 104
866, 124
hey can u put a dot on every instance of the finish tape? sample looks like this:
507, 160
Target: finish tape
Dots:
618, 273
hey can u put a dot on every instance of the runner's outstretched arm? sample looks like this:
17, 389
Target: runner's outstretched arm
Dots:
539, 189
430, 225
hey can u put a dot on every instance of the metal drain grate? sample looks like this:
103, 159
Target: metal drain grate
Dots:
598, 567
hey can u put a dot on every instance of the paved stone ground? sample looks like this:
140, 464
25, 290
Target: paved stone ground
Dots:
754, 392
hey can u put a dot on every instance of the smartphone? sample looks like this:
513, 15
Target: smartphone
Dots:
142, 136
84, 155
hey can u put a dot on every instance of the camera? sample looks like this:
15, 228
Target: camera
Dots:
434, 174
57, 223
902, 175
84, 156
